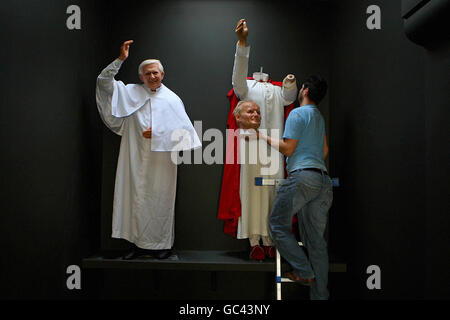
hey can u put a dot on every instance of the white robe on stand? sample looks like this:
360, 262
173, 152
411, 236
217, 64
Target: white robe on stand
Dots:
256, 201
146, 177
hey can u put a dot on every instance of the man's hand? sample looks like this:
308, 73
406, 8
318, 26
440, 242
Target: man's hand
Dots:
124, 49
285, 146
242, 32
147, 133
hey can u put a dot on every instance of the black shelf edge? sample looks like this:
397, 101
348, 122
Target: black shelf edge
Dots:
192, 260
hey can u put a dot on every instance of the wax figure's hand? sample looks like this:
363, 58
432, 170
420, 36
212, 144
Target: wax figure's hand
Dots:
242, 32
290, 78
124, 50
147, 133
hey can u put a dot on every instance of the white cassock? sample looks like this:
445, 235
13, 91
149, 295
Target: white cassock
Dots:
256, 201
146, 177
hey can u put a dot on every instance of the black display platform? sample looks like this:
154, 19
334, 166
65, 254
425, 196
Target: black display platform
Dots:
192, 260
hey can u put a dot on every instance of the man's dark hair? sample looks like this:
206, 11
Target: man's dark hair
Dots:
317, 88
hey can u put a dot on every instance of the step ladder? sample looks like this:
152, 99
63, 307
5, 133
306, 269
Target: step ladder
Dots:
259, 181
278, 273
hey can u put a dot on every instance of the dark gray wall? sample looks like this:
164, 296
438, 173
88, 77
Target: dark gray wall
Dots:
388, 101
436, 217
50, 145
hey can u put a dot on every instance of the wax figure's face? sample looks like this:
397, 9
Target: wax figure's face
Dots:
151, 76
250, 116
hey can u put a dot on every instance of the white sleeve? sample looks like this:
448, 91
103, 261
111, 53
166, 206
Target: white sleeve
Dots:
289, 91
240, 71
103, 94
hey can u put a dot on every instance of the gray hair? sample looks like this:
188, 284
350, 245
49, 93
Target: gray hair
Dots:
150, 61
238, 109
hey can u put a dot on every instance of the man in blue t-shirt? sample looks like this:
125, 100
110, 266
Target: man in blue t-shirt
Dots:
307, 191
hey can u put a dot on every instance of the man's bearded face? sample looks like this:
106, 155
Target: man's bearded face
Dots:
151, 76
250, 116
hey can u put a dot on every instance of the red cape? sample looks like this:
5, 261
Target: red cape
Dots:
230, 201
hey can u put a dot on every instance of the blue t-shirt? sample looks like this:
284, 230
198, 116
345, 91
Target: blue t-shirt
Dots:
306, 125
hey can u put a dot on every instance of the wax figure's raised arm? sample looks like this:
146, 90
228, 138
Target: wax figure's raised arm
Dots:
105, 80
240, 68
105, 90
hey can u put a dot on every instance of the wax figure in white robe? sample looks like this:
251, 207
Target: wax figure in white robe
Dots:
256, 201
146, 177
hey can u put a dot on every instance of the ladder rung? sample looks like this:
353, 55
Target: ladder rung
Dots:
259, 181
280, 279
